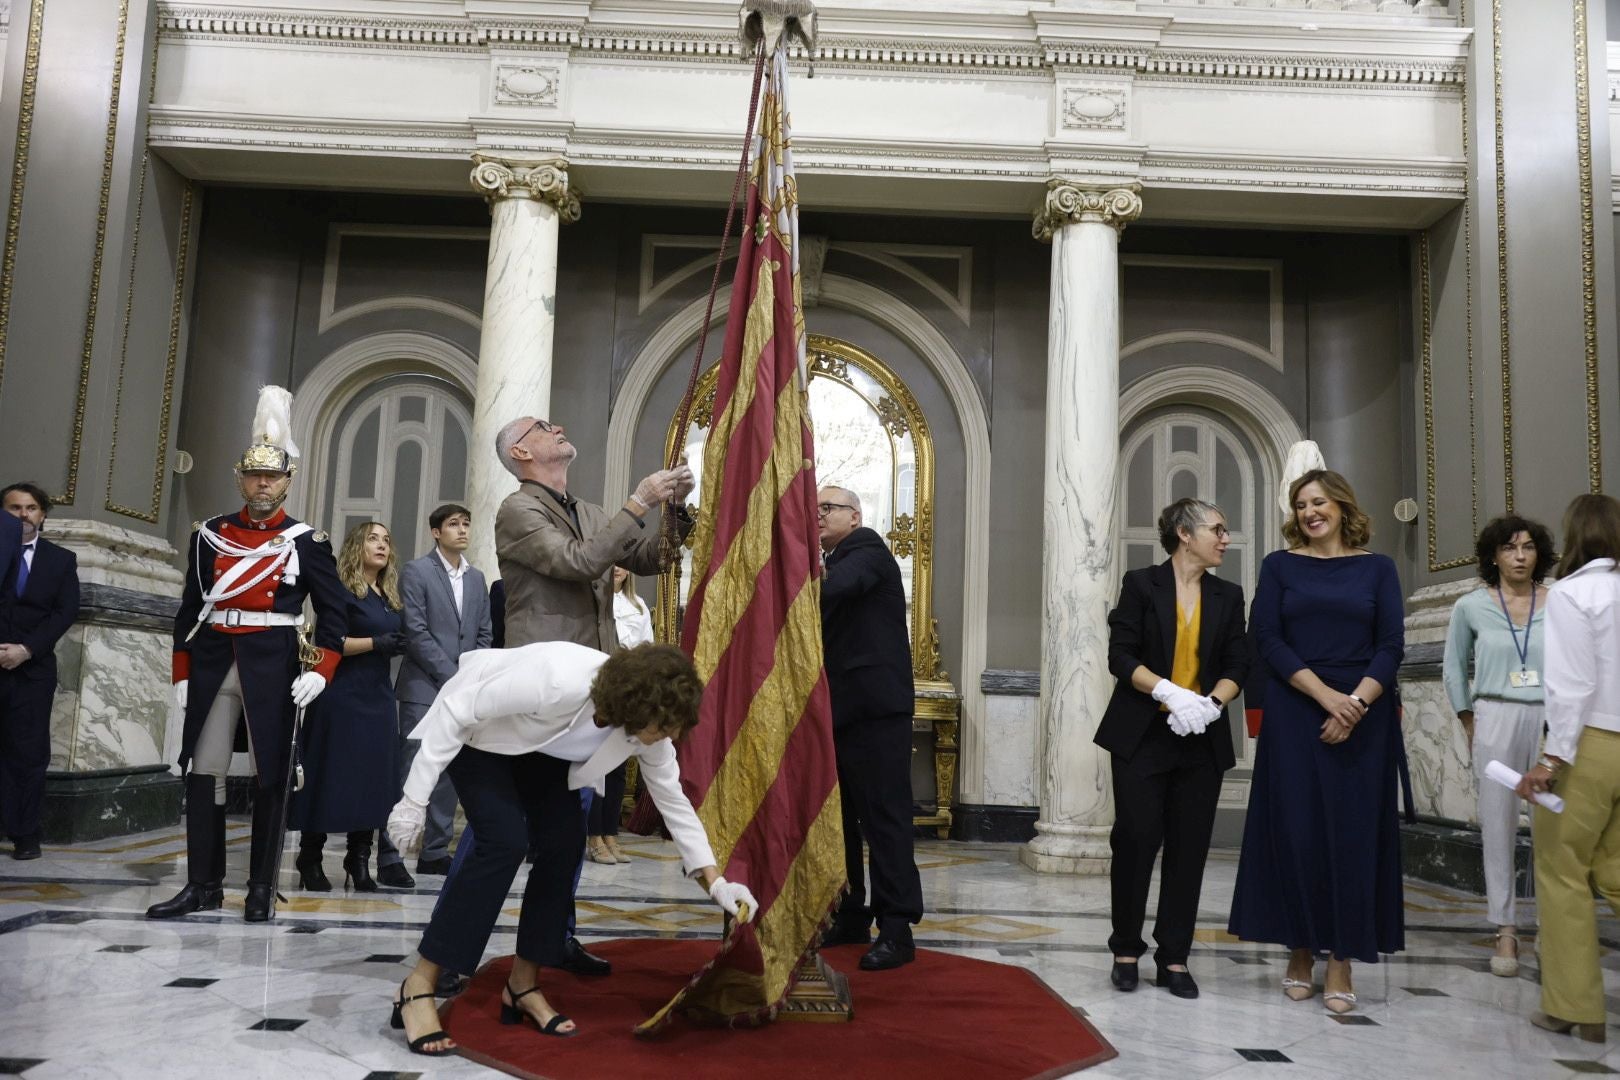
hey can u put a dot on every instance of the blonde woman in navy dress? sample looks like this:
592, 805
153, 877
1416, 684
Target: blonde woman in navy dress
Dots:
1320, 870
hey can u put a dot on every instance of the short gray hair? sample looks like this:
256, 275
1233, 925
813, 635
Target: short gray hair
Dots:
1183, 514
508, 437
853, 499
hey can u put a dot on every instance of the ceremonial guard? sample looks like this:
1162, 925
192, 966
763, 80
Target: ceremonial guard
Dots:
236, 655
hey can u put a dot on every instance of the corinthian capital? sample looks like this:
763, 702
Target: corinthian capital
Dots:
1067, 203
547, 181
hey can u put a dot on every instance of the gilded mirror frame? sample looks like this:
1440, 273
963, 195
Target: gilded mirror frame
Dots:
911, 537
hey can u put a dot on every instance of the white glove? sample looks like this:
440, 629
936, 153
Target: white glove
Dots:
405, 824
1177, 724
654, 488
684, 483
306, 688
732, 896
1178, 698
1197, 715
180, 689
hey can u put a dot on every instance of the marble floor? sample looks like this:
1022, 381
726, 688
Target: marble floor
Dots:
90, 989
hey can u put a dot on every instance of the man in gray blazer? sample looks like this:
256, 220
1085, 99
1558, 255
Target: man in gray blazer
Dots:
557, 552
446, 614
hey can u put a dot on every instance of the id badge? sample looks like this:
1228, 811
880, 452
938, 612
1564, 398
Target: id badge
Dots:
1522, 679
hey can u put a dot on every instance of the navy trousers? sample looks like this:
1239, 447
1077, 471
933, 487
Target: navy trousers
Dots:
509, 800
25, 751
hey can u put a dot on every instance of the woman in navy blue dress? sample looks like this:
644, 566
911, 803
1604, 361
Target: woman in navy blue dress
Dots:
1320, 870
351, 733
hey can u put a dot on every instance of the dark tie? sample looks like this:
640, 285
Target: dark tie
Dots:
22, 568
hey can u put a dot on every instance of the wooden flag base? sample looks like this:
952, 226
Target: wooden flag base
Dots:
821, 995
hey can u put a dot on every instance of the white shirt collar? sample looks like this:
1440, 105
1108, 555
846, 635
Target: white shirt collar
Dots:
1594, 565
454, 571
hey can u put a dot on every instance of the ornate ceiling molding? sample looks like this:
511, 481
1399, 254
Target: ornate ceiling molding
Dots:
1345, 52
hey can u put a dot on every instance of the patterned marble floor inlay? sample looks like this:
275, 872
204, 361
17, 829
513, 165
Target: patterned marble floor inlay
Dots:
308, 995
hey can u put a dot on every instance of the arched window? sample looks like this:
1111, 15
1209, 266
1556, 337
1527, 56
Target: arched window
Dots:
398, 450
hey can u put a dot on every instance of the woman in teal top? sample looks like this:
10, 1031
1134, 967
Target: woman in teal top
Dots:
1499, 629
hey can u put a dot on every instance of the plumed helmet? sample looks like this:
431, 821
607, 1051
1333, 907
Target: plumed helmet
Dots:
272, 449
1303, 457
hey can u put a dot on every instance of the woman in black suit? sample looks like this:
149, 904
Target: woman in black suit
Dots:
1176, 644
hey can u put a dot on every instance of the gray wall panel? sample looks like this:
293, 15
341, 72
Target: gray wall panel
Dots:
56, 247
149, 353
1022, 274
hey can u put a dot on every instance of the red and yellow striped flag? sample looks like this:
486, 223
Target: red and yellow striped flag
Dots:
759, 766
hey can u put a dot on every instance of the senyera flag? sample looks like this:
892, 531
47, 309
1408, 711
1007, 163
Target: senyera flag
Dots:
759, 766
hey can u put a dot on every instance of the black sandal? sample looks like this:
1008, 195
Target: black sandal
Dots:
397, 1022
512, 1014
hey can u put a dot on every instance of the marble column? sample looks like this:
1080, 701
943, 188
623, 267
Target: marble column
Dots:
527, 201
1082, 451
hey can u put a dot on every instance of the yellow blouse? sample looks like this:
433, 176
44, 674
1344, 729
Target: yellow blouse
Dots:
1184, 667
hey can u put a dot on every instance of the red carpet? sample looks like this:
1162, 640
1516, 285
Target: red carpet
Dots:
943, 1015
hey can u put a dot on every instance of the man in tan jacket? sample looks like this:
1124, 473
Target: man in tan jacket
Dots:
557, 553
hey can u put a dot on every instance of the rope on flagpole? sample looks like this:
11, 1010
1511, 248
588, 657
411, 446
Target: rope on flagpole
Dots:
668, 545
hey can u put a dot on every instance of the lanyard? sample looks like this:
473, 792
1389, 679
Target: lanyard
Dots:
1524, 653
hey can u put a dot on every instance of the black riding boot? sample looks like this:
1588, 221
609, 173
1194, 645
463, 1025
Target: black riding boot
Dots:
205, 854
357, 863
267, 820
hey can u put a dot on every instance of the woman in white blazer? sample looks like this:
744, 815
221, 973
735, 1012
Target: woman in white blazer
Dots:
1578, 850
520, 731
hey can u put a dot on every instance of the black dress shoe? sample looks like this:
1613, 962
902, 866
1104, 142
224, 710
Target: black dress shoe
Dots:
1179, 983
1124, 976
257, 905
846, 934
888, 954
580, 962
23, 850
209, 896
433, 866
395, 876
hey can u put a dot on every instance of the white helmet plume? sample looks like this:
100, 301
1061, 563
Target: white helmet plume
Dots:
272, 420
1303, 457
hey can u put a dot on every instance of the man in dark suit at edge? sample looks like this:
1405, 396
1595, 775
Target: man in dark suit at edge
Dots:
41, 605
868, 657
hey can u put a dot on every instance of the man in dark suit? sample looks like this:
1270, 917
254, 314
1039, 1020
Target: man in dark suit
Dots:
446, 614
868, 656
43, 602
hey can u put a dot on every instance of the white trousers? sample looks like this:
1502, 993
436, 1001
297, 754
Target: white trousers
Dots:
215, 742
1510, 733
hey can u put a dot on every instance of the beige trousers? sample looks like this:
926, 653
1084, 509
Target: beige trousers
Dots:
1575, 851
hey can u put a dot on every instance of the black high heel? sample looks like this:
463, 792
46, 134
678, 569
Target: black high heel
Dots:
358, 868
311, 874
397, 1022
512, 1014
357, 863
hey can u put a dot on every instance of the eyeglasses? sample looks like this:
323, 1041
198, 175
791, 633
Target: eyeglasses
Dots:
1220, 531
543, 425
823, 509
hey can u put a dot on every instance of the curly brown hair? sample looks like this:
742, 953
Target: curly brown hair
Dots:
1355, 527
649, 686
